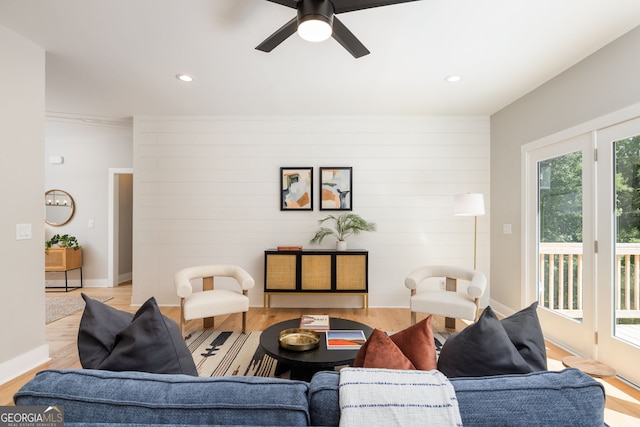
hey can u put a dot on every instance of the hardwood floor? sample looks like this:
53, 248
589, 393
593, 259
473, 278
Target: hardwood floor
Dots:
623, 400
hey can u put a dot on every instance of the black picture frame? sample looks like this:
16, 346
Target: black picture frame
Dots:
296, 188
336, 188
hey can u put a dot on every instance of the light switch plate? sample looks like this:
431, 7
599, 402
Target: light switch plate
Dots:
23, 231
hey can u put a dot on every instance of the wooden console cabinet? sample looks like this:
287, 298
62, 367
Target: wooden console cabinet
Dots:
63, 260
316, 271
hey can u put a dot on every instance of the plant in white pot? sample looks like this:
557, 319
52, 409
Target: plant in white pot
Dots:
63, 241
342, 226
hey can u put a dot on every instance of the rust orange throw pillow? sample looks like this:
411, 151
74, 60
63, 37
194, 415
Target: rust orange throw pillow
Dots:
411, 348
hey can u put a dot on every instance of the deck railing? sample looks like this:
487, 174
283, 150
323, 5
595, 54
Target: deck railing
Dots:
561, 279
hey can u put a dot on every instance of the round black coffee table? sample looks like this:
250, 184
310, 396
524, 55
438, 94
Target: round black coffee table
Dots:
303, 364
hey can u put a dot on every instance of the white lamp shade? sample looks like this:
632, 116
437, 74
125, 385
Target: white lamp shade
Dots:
469, 204
314, 30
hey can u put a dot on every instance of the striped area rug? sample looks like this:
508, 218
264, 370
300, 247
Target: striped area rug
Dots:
440, 338
218, 354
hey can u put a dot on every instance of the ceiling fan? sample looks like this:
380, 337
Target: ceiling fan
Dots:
316, 21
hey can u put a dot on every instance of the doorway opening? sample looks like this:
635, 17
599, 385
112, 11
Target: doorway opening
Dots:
120, 226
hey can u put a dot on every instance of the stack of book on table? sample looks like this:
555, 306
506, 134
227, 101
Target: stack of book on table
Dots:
315, 322
351, 339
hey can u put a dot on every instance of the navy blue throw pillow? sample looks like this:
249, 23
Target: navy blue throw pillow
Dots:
481, 349
148, 341
524, 331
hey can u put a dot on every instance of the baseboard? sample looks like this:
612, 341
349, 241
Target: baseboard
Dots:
125, 277
501, 309
95, 283
90, 283
335, 300
24, 363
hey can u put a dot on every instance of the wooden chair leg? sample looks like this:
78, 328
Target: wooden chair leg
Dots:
451, 285
244, 322
244, 313
182, 318
208, 285
413, 313
449, 323
181, 324
207, 322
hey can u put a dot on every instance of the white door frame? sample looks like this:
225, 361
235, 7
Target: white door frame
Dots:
112, 235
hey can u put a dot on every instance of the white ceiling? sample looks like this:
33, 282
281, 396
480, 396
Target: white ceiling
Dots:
118, 58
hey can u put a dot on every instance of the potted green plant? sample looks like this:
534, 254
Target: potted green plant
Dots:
63, 241
342, 226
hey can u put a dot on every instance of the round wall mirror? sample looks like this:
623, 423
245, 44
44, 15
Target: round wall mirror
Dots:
59, 207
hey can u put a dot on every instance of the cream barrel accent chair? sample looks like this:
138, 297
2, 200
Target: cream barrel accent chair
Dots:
450, 302
212, 302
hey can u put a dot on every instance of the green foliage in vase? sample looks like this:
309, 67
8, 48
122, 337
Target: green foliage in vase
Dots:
342, 226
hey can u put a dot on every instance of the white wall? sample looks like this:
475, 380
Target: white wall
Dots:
206, 190
89, 150
601, 84
21, 261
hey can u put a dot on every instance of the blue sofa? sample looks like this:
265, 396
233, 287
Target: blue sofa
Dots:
102, 398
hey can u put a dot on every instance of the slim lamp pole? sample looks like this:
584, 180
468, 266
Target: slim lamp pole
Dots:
475, 241
470, 204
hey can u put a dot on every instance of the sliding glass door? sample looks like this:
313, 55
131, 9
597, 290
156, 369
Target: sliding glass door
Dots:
618, 281
582, 243
560, 242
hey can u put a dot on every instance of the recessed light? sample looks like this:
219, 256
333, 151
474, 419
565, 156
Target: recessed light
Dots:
452, 79
184, 78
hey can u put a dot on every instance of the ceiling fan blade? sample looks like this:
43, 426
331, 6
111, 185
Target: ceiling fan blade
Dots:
289, 3
346, 38
342, 6
279, 36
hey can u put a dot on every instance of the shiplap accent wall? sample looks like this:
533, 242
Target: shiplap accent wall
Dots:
207, 191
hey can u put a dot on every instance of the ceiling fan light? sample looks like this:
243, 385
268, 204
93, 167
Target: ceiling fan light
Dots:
315, 20
315, 29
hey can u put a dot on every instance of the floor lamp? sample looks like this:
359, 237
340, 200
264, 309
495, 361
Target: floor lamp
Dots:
470, 204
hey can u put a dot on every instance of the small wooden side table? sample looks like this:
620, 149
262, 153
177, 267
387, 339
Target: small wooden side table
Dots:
63, 260
589, 366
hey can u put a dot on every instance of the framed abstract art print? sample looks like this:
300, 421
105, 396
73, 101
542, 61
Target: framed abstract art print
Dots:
336, 192
296, 186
